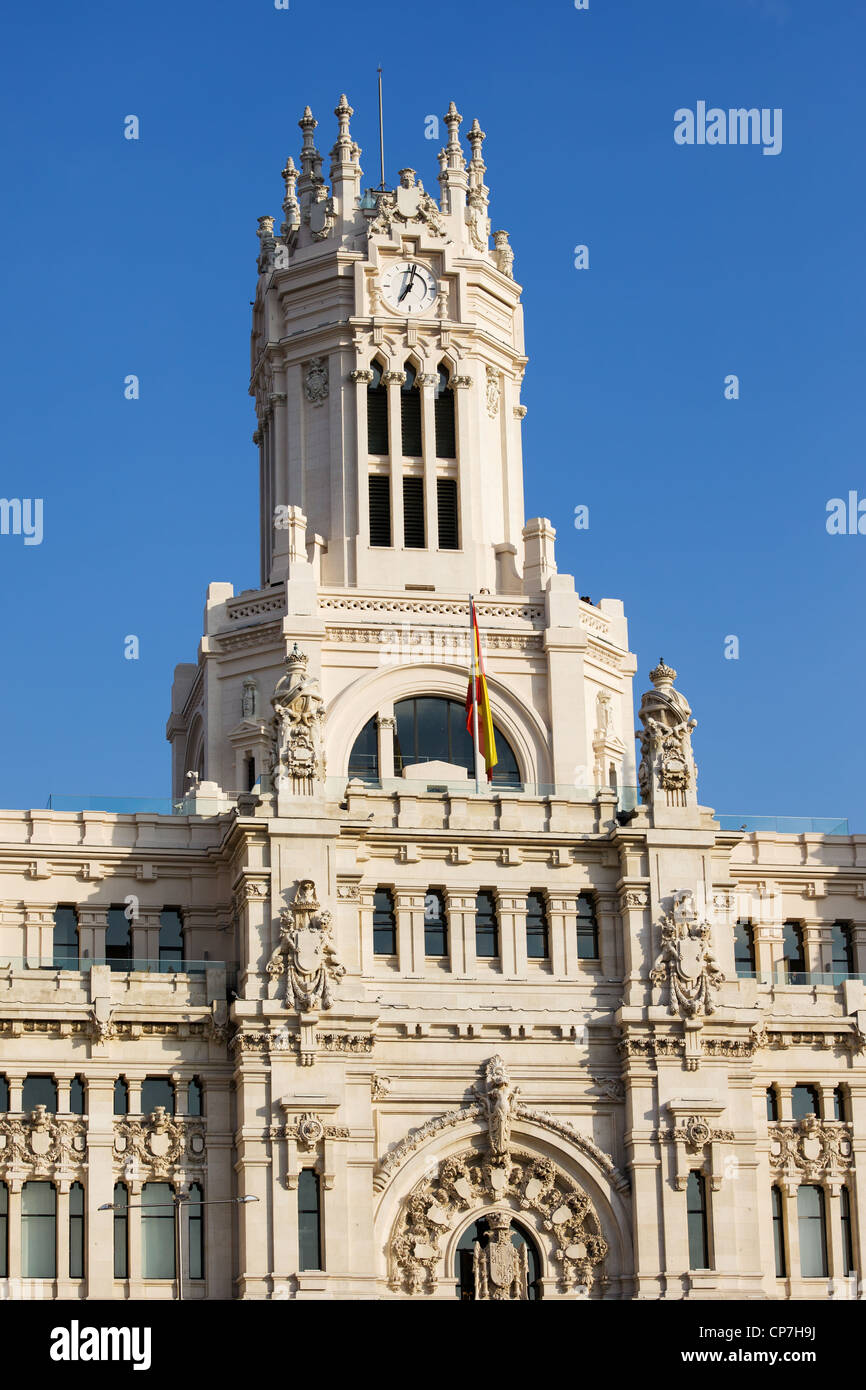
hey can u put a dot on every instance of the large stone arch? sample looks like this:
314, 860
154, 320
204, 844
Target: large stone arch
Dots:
554, 1181
349, 711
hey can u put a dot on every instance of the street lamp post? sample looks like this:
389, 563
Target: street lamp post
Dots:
176, 1204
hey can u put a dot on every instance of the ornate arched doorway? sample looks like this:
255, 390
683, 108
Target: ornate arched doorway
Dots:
497, 1258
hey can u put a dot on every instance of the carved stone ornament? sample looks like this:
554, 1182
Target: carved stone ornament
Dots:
472, 1182
499, 1099
810, 1149
250, 698
307, 951
667, 764
316, 381
686, 961
159, 1146
503, 255
40, 1144
492, 391
392, 208
361, 374
499, 1270
298, 758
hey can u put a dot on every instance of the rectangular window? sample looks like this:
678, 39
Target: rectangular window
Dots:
380, 509
842, 947
793, 954
156, 1091
384, 923
39, 1231
840, 1108
744, 950
847, 1232
813, 1233
4, 1095
196, 1231
118, 939
309, 1220
76, 1231
587, 928
121, 1231
443, 416
696, 1211
157, 1231
435, 924
536, 927
446, 506
804, 1101
4, 1231
77, 1096
413, 513
778, 1232
39, 1090
121, 1097
195, 1097
65, 939
772, 1104
486, 926
170, 939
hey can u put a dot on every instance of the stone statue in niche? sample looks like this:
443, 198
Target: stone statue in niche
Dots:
250, 699
306, 952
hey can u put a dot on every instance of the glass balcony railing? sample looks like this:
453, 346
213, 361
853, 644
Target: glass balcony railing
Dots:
783, 825
782, 976
120, 964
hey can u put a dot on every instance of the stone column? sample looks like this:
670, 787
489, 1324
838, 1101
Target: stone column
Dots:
134, 1089
512, 934
366, 894
835, 1244
63, 1084
16, 1084
99, 1188
792, 1227
634, 903
38, 935
394, 381
14, 1184
61, 1188
858, 942
610, 954
218, 1182
253, 1163
816, 943
278, 461
386, 726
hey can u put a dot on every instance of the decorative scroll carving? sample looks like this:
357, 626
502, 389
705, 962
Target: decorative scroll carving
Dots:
510, 1182
309, 952
159, 1145
810, 1149
298, 760
686, 960
308, 1131
40, 1144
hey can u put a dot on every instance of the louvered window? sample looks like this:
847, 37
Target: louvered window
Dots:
413, 513
380, 509
377, 414
410, 415
446, 502
443, 415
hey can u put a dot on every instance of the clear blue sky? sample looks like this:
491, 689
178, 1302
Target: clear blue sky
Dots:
707, 516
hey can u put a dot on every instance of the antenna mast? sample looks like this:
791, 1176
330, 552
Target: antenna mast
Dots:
381, 134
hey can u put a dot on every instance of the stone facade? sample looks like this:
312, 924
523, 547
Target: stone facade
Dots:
563, 1087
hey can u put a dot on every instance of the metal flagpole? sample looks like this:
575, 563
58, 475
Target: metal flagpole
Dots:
475, 739
381, 133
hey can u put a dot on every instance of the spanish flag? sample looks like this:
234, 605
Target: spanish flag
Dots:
478, 682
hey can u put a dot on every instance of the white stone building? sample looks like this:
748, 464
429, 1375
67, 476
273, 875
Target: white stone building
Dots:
528, 1040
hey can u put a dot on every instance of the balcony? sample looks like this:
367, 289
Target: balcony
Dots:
783, 825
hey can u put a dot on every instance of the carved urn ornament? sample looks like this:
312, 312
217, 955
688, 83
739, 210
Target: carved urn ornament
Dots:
306, 953
298, 761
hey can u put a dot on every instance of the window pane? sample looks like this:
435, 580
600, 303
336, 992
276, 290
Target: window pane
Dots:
587, 929
4, 1231
309, 1221
196, 1231
157, 1231
697, 1221
847, 1232
778, 1232
121, 1232
813, 1240
486, 926
4, 1095
536, 927
435, 924
772, 1104
840, 1109
38, 1230
65, 939
155, 1091
39, 1090
842, 948
76, 1231
118, 939
364, 758
744, 949
792, 950
170, 936
194, 1097
76, 1096
432, 730
804, 1101
384, 923
121, 1097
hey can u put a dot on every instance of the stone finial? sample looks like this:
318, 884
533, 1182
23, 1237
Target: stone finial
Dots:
311, 160
343, 111
476, 138
267, 243
291, 208
663, 676
454, 120
345, 151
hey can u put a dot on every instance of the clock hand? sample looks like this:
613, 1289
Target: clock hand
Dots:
408, 286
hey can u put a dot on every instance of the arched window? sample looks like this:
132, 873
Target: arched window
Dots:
118, 939
778, 1232
39, 1090
170, 939
430, 729
121, 1097
478, 1233
194, 1097
537, 947
696, 1213
804, 1101
486, 925
443, 415
410, 413
384, 923
76, 1231
377, 412
39, 1230
435, 924
65, 938
813, 1231
196, 1231
364, 758
121, 1231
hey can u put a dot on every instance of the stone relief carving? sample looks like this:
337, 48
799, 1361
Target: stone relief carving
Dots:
609, 1086
298, 759
309, 1131
667, 762
492, 391
306, 952
810, 1149
499, 1099
316, 383
380, 1086
499, 1270
159, 1145
686, 960
250, 698
41, 1143
503, 255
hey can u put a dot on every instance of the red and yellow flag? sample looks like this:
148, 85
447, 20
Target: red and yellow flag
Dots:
486, 737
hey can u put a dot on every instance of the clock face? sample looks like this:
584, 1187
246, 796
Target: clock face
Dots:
409, 287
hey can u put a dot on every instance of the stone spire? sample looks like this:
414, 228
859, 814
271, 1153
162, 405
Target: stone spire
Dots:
345, 169
454, 181
476, 138
291, 208
311, 160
